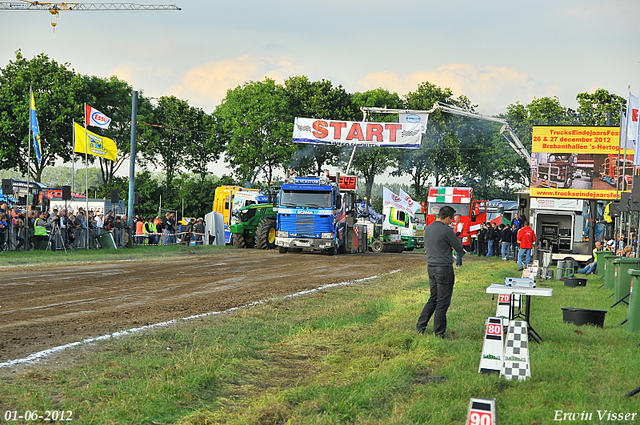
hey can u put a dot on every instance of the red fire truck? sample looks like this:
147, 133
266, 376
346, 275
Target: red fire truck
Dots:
472, 213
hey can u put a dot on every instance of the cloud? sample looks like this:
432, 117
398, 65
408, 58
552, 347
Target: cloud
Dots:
209, 82
492, 88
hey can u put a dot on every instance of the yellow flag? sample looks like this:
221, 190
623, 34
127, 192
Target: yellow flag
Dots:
96, 145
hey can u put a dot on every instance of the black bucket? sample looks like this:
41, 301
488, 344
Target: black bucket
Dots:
583, 316
575, 281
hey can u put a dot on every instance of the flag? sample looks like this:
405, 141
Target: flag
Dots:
96, 145
96, 118
632, 125
392, 200
412, 206
35, 130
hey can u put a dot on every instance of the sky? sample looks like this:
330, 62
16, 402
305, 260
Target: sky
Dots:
496, 53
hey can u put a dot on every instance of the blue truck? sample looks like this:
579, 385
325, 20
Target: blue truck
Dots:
315, 213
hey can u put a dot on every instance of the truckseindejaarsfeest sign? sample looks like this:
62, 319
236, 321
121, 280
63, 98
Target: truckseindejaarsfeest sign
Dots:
579, 162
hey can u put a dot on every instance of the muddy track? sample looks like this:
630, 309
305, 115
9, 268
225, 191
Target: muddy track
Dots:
53, 306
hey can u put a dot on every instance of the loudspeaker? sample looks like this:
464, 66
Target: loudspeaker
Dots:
115, 197
7, 186
136, 198
66, 193
523, 202
624, 201
614, 209
635, 189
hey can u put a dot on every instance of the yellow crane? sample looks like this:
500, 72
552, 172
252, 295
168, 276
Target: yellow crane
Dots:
55, 8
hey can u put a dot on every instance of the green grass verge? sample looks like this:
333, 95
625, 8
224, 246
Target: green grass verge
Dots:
344, 356
137, 253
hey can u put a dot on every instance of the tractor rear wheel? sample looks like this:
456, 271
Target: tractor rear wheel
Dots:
266, 234
243, 240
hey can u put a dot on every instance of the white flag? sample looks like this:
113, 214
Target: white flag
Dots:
96, 118
412, 206
392, 200
632, 117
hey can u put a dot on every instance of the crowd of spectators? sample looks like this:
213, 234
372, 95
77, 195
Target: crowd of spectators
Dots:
69, 229
512, 241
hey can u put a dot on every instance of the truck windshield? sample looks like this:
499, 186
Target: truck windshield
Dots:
305, 198
461, 209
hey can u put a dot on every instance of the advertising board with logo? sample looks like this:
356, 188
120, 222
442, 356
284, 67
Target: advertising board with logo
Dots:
579, 162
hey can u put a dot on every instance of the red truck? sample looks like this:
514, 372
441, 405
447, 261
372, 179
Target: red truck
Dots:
472, 213
620, 175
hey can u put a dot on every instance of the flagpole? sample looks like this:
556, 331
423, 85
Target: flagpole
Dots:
26, 222
73, 152
86, 178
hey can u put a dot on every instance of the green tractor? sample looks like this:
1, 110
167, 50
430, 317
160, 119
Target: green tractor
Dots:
255, 226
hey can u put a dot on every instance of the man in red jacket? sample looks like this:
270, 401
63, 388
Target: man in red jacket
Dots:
526, 238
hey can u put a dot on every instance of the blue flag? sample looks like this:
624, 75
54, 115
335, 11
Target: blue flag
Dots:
35, 131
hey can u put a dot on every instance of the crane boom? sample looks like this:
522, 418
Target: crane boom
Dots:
52, 7
513, 139
55, 8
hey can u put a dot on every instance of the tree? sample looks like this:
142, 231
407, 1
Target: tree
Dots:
370, 162
593, 108
57, 91
205, 146
169, 143
317, 99
256, 124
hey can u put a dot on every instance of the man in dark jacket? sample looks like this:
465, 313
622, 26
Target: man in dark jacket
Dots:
506, 242
490, 237
439, 240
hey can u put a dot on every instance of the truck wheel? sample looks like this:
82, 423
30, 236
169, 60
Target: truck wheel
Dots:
331, 251
282, 250
242, 240
377, 246
266, 234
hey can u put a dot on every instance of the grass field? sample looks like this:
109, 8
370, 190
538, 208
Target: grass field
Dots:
136, 253
346, 355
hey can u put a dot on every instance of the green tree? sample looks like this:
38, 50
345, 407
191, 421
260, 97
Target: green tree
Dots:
256, 125
593, 108
178, 127
371, 162
57, 92
317, 99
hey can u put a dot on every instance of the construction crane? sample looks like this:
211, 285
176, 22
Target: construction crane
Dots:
55, 8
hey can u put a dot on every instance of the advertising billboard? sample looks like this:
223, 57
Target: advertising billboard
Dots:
579, 162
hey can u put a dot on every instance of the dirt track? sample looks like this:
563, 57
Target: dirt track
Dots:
45, 308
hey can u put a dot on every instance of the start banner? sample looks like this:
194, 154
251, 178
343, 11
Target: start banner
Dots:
579, 162
355, 133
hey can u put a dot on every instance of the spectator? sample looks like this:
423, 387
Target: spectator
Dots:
592, 266
199, 231
151, 230
139, 231
526, 238
514, 241
458, 228
490, 237
506, 242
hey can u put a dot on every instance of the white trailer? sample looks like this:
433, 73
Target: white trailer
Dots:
559, 224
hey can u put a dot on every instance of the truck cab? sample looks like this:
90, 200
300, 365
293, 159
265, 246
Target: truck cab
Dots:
224, 203
312, 214
472, 213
